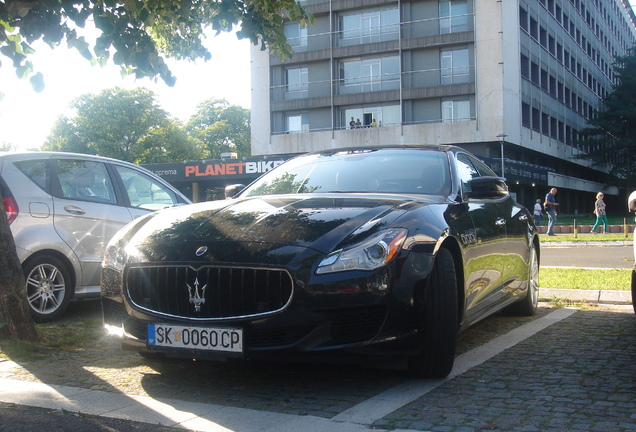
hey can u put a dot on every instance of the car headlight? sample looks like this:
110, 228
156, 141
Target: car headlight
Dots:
115, 257
370, 254
118, 250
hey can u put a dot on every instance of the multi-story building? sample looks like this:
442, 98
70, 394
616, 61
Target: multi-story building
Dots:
513, 81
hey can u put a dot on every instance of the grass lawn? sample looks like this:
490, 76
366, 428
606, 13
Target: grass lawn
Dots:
592, 279
584, 237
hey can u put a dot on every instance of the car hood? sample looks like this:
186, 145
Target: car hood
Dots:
237, 230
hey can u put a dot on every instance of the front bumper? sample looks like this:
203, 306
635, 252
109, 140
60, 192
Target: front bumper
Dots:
367, 314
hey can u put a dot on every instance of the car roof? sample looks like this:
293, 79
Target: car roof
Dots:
52, 154
30, 155
428, 147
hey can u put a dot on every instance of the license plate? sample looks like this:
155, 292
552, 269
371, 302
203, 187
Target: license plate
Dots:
200, 338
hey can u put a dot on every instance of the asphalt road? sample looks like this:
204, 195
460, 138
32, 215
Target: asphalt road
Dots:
582, 256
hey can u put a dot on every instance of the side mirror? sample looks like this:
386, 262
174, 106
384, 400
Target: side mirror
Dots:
631, 202
232, 190
487, 187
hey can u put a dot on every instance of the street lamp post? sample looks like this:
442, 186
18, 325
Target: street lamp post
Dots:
501, 138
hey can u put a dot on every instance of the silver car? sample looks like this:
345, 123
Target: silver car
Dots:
63, 208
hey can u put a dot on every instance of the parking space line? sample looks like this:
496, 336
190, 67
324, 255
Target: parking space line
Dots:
383, 404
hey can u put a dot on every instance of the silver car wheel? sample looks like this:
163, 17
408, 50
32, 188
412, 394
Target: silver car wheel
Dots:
48, 288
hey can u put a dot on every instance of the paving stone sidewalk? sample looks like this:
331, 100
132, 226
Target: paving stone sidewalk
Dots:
578, 375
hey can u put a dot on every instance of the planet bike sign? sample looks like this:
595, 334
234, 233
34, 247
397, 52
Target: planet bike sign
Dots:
229, 169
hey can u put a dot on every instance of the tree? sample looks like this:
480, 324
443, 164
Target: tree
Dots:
611, 136
138, 33
5, 146
15, 318
122, 124
221, 127
169, 144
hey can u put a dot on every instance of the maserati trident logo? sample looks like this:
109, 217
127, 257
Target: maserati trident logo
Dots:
197, 294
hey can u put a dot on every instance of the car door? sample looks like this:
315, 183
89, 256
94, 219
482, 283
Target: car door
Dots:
86, 212
516, 246
514, 250
483, 259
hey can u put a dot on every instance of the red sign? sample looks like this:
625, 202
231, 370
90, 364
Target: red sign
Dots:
230, 168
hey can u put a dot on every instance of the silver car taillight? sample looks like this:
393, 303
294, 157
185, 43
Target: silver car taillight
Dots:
11, 208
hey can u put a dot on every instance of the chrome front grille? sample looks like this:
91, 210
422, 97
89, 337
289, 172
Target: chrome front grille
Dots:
208, 292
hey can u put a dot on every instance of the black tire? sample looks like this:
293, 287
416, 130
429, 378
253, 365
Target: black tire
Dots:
438, 321
634, 290
529, 304
49, 288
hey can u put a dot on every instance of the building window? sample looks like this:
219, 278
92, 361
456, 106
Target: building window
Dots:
523, 19
297, 123
296, 35
525, 67
455, 110
297, 83
534, 28
536, 119
525, 114
534, 73
374, 74
369, 26
384, 115
455, 66
453, 16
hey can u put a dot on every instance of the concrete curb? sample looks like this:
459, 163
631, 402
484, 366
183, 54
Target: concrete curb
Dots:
588, 296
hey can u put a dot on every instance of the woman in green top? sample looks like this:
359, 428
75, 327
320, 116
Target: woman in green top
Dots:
599, 211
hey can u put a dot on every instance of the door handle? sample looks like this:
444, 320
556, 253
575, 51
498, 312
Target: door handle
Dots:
74, 210
500, 222
523, 218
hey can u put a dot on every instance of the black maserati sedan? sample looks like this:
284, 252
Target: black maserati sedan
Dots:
340, 255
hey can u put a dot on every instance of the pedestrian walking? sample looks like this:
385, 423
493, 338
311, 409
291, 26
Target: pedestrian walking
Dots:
538, 212
599, 211
550, 206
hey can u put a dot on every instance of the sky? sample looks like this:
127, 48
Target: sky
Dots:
26, 117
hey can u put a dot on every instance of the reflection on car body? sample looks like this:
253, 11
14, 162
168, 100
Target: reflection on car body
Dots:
341, 254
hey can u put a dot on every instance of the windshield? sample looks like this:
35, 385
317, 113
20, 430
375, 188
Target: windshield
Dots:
378, 171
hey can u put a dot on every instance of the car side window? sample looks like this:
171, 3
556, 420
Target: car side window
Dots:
483, 170
85, 180
144, 191
466, 171
37, 171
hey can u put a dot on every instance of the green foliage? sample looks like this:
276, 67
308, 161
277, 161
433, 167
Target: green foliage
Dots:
221, 127
137, 34
5, 146
611, 135
170, 143
123, 124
